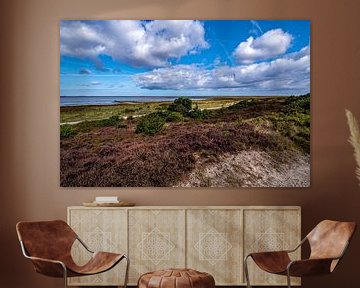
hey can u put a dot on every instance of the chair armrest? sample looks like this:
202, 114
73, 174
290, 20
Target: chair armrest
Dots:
45, 260
48, 267
309, 267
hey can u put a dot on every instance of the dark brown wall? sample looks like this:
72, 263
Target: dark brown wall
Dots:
29, 119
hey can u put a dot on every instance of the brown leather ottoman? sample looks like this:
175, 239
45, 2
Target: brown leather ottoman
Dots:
176, 278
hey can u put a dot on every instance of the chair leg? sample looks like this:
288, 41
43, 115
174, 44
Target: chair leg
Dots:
246, 270
126, 271
288, 278
65, 277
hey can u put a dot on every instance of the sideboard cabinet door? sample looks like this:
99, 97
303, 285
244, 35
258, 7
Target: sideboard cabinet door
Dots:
101, 230
156, 240
214, 244
270, 230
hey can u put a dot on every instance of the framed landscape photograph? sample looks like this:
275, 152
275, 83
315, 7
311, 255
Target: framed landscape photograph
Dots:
185, 103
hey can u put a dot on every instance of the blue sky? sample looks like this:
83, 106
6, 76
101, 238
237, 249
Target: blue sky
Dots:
184, 57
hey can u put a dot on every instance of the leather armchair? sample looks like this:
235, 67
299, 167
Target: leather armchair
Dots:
328, 242
48, 245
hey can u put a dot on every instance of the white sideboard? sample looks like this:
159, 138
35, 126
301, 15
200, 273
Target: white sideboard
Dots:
211, 239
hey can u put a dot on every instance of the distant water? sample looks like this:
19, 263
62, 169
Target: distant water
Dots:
109, 100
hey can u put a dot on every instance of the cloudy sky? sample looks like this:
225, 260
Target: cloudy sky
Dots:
184, 57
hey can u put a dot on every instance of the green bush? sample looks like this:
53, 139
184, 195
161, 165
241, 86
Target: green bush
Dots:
199, 114
298, 104
111, 121
244, 104
130, 110
182, 105
295, 126
87, 126
66, 131
174, 117
239, 122
150, 124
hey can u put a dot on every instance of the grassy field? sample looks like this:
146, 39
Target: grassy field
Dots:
96, 112
161, 144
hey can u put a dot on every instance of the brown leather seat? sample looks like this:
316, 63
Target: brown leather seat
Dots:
48, 245
328, 242
176, 278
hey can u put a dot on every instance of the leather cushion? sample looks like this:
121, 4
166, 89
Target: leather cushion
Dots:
176, 278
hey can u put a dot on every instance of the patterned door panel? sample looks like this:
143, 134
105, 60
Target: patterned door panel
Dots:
157, 240
101, 230
270, 230
214, 241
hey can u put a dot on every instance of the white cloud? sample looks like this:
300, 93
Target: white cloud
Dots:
291, 72
269, 45
175, 77
137, 43
81, 40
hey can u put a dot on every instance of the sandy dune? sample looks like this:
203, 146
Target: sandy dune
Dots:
250, 169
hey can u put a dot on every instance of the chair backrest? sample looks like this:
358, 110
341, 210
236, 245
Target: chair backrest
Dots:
46, 239
329, 239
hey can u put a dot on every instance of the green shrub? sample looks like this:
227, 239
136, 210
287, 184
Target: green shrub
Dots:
298, 104
87, 126
67, 131
239, 122
111, 121
150, 124
244, 104
130, 110
174, 117
199, 114
182, 105
295, 126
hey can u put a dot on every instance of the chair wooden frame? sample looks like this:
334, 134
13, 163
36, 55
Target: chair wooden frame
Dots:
304, 267
65, 270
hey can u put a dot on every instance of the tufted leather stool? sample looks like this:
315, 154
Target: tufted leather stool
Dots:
176, 278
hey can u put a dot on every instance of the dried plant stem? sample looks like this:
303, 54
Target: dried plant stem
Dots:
354, 140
